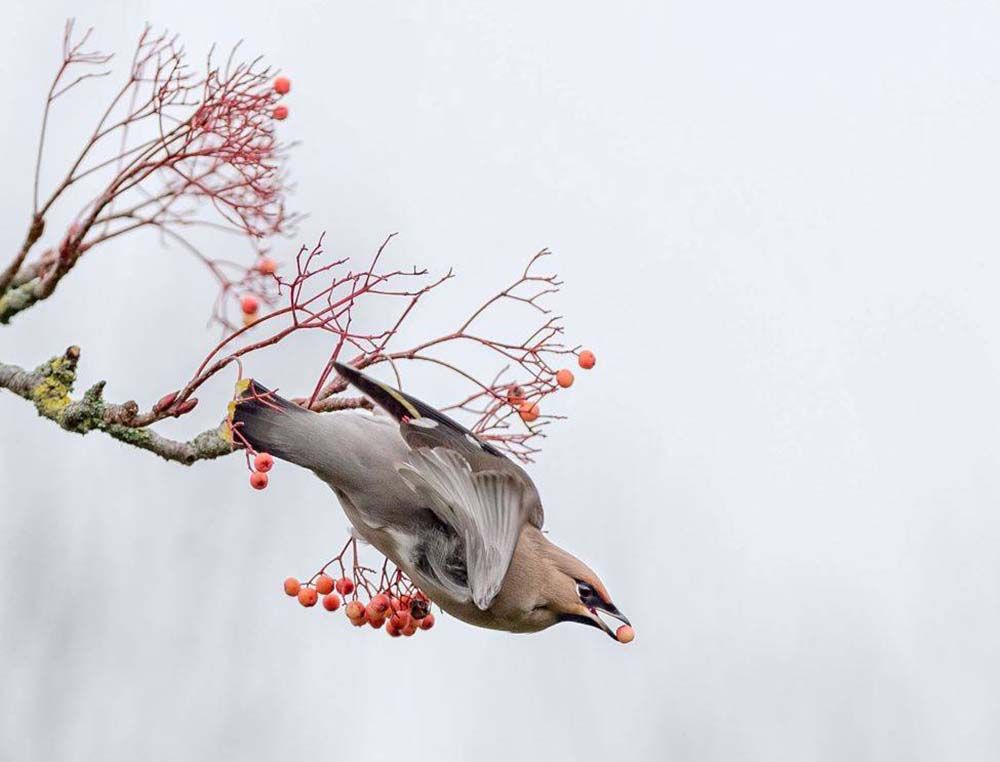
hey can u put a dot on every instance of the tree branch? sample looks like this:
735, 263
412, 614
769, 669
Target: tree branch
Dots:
34, 233
49, 387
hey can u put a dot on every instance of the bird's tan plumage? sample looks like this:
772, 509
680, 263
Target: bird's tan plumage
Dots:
462, 520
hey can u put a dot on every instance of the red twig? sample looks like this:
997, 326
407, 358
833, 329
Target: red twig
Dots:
172, 151
325, 295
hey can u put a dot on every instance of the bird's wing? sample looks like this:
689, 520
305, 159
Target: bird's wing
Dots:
469, 484
483, 507
421, 426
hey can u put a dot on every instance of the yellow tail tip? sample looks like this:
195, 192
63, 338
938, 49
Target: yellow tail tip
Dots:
241, 386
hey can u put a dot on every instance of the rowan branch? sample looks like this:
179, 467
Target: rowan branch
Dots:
176, 151
50, 385
172, 151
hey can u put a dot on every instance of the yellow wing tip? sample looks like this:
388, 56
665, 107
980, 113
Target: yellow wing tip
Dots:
414, 413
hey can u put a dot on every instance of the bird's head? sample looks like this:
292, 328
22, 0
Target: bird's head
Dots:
572, 592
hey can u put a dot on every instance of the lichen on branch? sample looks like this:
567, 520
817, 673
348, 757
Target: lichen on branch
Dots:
50, 388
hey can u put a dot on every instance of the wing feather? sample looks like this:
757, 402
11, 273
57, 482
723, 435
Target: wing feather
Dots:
484, 507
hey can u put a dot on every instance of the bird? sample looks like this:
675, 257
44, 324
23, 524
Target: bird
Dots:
454, 513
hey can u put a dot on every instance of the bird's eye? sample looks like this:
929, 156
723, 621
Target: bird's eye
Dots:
584, 590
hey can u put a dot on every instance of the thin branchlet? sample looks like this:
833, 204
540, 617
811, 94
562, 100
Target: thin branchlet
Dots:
173, 151
177, 151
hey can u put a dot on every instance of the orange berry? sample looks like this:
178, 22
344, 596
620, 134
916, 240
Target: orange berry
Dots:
292, 586
625, 634
281, 112
528, 411
266, 266
258, 480
360, 621
355, 610
380, 603
324, 584
587, 359
249, 304
263, 462
345, 586
307, 597
565, 378
427, 622
331, 602
282, 85
401, 619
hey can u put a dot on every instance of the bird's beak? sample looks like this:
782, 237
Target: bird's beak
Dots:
593, 616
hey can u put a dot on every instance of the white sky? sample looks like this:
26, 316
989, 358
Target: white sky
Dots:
777, 224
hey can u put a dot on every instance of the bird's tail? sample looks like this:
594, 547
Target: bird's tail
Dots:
269, 423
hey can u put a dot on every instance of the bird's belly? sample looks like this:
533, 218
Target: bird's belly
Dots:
397, 544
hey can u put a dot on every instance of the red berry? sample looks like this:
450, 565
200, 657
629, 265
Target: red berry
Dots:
281, 112
427, 622
625, 634
392, 630
331, 602
565, 378
263, 462
410, 629
355, 610
292, 586
282, 85
324, 584
307, 597
266, 266
401, 619
587, 359
258, 480
376, 623
345, 586
528, 411
249, 304
362, 621
380, 603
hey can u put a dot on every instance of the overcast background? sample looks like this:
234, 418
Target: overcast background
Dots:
778, 226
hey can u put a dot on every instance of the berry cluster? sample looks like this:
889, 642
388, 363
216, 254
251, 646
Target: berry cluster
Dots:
249, 303
393, 602
262, 463
282, 86
529, 411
